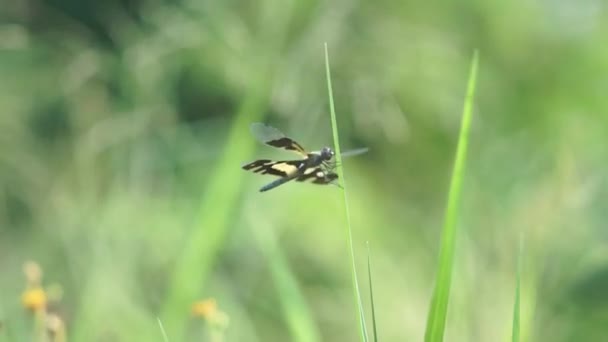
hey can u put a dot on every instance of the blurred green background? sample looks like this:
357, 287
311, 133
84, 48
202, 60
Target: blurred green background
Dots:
124, 123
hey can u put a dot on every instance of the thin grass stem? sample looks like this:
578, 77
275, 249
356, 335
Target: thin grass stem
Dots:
340, 170
516, 305
371, 293
162, 330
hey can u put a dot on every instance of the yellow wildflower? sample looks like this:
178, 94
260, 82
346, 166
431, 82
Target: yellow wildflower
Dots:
34, 299
205, 308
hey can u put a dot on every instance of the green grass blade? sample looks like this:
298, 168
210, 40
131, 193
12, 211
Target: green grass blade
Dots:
516, 313
297, 313
202, 246
439, 304
340, 170
371, 293
162, 330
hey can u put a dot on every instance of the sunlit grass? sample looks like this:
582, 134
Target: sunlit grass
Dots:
439, 304
371, 293
218, 200
117, 159
516, 305
300, 321
162, 330
340, 170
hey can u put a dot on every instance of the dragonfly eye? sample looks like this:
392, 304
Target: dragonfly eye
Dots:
327, 153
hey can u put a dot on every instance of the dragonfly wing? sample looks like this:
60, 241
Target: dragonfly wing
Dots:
275, 138
317, 176
355, 152
278, 182
289, 170
283, 168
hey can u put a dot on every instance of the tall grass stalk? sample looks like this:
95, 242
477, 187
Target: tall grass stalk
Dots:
439, 303
371, 293
206, 239
162, 330
297, 313
516, 306
340, 170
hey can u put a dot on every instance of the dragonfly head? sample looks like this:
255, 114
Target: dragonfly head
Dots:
327, 153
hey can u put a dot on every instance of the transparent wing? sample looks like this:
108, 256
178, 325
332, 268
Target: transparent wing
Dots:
264, 132
332, 164
275, 138
355, 152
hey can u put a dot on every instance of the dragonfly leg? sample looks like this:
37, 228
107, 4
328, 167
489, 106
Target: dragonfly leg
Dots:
331, 165
337, 184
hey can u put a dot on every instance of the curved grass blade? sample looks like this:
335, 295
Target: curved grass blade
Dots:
340, 170
162, 330
516, 307
371, 293
298, 316
435, 325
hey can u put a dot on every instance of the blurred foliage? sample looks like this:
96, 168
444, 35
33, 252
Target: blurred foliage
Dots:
123, 125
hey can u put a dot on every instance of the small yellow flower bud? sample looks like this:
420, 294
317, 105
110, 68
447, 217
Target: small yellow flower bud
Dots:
34, 299
204, 308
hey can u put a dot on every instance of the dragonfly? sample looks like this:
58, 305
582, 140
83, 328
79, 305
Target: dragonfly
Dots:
315, 167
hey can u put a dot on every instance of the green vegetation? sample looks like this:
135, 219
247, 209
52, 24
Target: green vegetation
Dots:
349, 229
123, 126
371, 294
516, 306
441, 296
